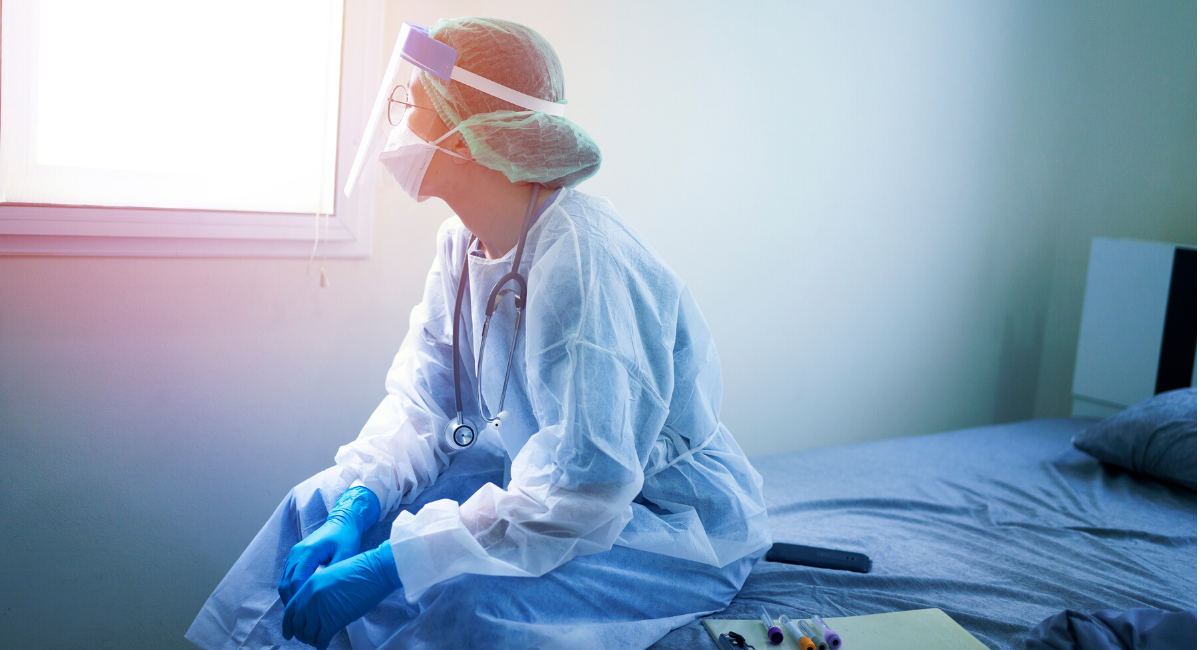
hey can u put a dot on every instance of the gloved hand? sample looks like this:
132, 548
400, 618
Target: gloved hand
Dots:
336, 540
339, 594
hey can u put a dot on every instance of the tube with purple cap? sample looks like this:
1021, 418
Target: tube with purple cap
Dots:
773, 632
830, 636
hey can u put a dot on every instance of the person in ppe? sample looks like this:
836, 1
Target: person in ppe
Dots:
610, 507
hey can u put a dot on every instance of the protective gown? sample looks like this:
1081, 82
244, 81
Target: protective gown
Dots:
614, 440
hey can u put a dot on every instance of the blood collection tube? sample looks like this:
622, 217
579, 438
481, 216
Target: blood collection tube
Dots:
810, 631
802, 640
773, 632
830, 636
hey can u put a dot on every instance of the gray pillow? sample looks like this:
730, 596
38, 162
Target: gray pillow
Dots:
1156, 437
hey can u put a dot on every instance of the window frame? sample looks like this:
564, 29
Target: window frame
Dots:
51, 229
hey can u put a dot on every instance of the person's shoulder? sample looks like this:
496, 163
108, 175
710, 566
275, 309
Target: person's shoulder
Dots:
597, 275
598, 225
591, 214
594, 204
604, 245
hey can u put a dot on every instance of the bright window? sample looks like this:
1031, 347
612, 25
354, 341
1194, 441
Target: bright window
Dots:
182, 128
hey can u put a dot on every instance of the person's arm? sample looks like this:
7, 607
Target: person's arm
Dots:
400, 451
573, 481
397, 454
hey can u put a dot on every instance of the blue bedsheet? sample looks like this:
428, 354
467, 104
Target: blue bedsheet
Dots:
1000, 527
1140, 628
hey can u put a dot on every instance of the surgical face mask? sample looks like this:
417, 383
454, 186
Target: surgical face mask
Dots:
407, 157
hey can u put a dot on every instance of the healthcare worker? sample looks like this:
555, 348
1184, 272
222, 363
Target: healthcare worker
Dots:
593, 499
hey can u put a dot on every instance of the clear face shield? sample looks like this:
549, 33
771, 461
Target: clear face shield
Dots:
415, 47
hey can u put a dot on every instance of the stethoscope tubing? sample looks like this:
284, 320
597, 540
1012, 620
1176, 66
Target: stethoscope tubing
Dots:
459, 423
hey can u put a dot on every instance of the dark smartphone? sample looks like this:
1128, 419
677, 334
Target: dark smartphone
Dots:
822, 558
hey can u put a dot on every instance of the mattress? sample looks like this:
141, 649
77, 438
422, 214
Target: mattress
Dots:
999, 526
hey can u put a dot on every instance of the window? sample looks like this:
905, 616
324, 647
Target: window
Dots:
141, 127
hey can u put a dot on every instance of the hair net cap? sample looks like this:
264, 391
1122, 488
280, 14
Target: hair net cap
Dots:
523, 145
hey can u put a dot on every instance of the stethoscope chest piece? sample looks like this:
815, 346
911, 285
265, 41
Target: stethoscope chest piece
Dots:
459, 433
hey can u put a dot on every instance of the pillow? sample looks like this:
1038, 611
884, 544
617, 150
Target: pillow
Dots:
1156, 437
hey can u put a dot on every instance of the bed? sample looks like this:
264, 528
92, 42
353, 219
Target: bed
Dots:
999, 526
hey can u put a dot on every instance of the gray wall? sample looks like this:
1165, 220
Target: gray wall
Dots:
883, 209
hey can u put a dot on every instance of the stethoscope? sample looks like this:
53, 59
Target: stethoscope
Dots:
459, 432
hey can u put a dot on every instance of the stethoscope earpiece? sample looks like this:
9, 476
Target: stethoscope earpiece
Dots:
499, 420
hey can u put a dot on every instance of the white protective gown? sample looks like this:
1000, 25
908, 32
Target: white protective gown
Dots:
614, 431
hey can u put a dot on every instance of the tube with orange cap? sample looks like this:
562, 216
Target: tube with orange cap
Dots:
802, 640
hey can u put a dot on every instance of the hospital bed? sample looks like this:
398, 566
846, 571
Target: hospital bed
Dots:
999, 526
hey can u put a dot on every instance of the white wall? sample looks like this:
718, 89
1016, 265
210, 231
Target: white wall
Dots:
883, 209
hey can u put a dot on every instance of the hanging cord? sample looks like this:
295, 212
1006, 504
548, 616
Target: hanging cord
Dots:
324, 278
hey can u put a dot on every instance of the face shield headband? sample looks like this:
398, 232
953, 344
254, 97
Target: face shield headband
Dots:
416, 46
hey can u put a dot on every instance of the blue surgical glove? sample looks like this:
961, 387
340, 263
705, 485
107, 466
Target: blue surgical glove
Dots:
336, 540
340, 594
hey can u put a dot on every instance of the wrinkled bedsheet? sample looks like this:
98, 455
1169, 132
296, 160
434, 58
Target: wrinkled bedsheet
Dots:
1140, 628
1001, 527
